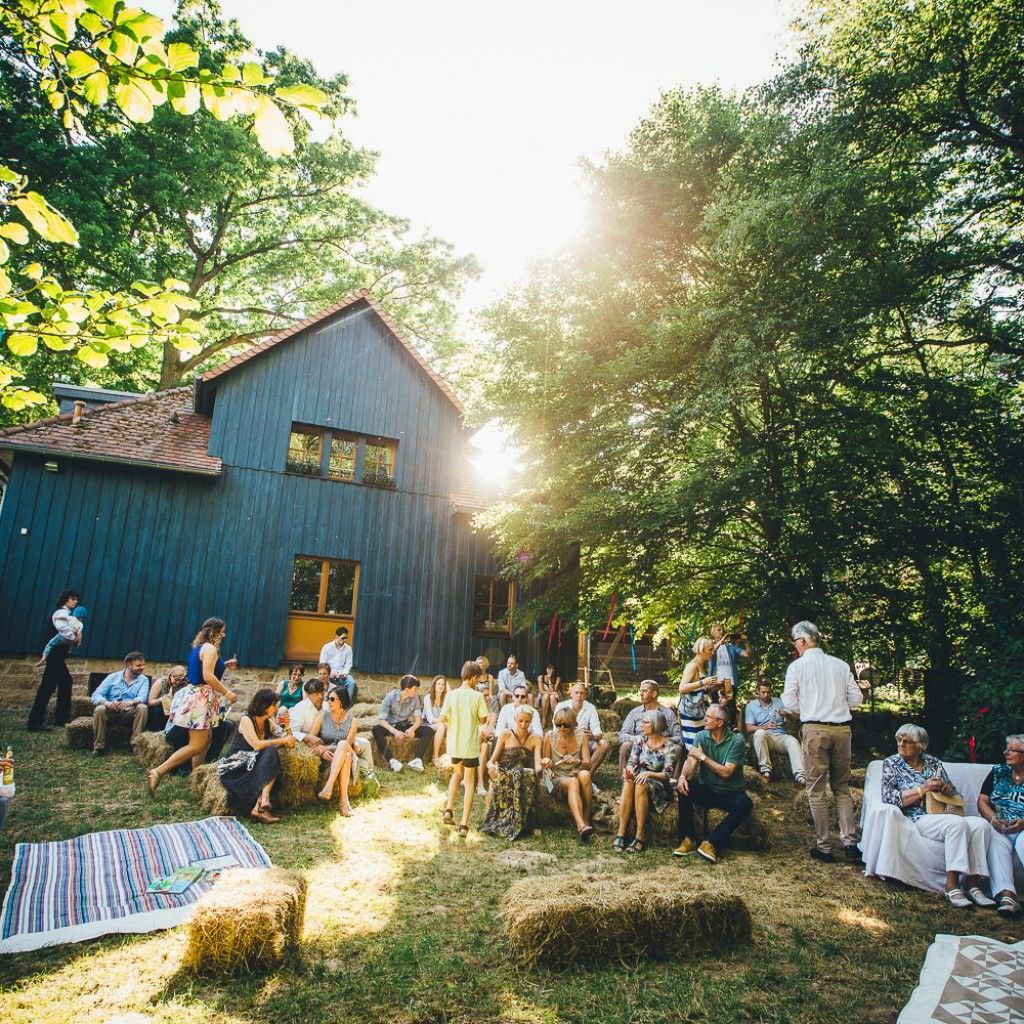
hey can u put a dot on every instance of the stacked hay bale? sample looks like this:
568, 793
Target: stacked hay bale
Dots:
802, 806
611, 720
364, 709
78, 733
152, 749
299, 780
624, 705
403, 748
595, 919
250, 920
206, 788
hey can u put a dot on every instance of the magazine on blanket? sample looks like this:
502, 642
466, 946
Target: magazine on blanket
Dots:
177, 882
213, 866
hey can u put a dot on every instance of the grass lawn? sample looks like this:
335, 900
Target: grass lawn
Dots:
403, 925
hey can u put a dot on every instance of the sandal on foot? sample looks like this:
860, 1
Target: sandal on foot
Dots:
260, 815
448, 818
153, 780
585, 833
619, 844
637, 846
463, 831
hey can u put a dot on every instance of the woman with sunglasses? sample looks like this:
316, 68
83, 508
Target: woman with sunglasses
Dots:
566, 764
337, 731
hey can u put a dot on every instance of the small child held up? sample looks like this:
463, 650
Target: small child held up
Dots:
463, 712
69, 623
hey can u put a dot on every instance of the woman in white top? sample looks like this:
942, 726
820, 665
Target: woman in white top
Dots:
432, 704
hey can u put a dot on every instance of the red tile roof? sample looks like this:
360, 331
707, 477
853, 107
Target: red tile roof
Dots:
159, 431
361, 296
470, 495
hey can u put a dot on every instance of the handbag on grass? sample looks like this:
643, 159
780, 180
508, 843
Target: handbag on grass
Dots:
939, 803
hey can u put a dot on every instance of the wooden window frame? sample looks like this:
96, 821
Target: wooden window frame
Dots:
379, 442
327, 436
303, 428
503, 630
343, 435
321, 601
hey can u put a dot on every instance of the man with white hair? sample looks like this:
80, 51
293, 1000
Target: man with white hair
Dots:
821, 690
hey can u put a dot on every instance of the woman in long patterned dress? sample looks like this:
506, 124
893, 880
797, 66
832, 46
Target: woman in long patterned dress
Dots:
566, 762
252, 765
199, 707
514, 769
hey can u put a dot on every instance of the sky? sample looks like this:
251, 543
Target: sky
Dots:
481, 111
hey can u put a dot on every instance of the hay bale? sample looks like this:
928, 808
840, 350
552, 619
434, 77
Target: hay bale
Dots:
78, 733
206, 788
152, 749
366, 723
610, 918
363, 709
610, 720
624, 705
81, 707
802, 806
299, 780
754, 781
857, 777
601, 696
250, 920
404, 749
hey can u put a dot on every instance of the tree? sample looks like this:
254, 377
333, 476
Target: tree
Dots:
83, 53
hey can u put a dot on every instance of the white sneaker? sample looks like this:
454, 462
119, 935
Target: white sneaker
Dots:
593, 788
415, 765
396, 765
481, 791
957, 898
978, 898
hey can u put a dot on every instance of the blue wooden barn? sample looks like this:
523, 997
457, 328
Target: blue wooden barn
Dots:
319, 479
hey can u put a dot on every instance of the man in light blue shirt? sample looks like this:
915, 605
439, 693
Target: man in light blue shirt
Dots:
508, 679
764, 718
121, 697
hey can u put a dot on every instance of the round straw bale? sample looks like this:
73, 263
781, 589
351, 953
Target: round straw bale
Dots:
78, 733
611, 720
251, 919
624, 705
363, 709
608, 918
299, 777
802, 806
207, 789
152, 749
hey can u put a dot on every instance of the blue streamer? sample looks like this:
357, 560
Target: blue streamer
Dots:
632, 646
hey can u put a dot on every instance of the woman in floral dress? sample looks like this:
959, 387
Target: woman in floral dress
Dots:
647, 784
514, 769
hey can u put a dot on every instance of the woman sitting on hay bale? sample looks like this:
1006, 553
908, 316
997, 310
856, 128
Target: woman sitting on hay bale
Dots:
647, 782
566, 764
432, 704
514, 768
252, 765
337, 729
161, 694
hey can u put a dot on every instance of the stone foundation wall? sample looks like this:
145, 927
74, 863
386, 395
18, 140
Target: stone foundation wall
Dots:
19, 679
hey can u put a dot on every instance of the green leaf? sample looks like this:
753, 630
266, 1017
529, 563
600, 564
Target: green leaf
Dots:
96, 88
122, 45
252, 74
171, 284
272, 130
34, 271
17, 399
184, 96
60, 24
230, 73
81, 64
92, 23
5, 288
301, 95
57, 343
22, 344
47, 222
181, 56
6, 174
5, 253
92, 357
17, 233
134, 101
140, 23
104, 8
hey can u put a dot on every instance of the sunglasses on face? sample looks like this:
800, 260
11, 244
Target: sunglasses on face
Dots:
563, 726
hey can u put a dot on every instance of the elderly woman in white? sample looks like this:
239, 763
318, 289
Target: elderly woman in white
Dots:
908, 777
1001, 804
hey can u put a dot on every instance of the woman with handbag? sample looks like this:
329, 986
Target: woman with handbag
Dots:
918, 785
693, 689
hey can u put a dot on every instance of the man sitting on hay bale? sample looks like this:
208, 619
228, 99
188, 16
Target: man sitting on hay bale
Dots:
121, 697
401, 717
712, 776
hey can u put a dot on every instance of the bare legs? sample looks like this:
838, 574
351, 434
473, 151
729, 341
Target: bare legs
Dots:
467, 777
633, 800
579, 797
194, 750
341, 767
439, 733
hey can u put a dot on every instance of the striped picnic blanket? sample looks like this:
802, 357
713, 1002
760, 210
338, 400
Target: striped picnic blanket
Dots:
96, 884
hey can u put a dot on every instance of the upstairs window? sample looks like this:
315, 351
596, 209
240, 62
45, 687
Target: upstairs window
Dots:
334, 455
492, 605
379, 462
304, 451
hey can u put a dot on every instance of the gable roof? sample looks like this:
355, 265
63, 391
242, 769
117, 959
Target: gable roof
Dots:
347, 303
158, 431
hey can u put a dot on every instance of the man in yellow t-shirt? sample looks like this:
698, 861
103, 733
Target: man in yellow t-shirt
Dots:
463, 712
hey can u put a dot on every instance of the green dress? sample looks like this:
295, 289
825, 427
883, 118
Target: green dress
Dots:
512, 794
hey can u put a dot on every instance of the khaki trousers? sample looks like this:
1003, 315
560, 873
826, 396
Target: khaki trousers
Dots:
827, 751
781, 743
102, 714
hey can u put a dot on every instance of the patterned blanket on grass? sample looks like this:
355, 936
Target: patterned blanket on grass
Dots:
96, 884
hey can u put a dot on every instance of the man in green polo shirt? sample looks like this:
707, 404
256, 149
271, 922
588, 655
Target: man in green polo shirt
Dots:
712, 776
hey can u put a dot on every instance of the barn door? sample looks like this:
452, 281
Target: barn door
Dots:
323, 598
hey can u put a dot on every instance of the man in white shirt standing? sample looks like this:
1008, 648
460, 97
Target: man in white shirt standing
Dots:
338, 654
821, 690
587, 719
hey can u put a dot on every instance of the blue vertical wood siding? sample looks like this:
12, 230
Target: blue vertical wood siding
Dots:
154, 553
